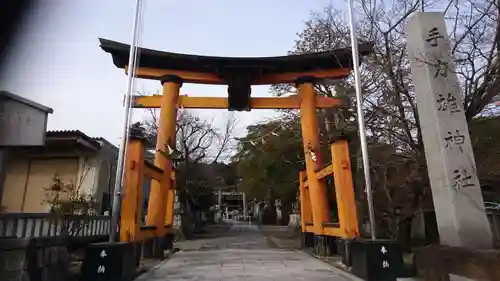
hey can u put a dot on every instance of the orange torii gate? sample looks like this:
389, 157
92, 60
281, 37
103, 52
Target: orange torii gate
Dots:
173, 69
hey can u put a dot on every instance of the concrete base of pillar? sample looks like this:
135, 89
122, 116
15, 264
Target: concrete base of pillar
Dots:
331, 244
137, 252
307, 240
147, 248
168, 241
325, 246
344, 250
154, 247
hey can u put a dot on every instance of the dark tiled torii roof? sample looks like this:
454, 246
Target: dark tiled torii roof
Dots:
336, 58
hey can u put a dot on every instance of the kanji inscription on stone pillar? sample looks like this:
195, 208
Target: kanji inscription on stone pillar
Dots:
456, 191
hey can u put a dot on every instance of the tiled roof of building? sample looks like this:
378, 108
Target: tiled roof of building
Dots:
101, 139
95, 141
9, 95
71, 134
66, 133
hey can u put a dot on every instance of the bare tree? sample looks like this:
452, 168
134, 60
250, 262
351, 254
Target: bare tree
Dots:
198, 139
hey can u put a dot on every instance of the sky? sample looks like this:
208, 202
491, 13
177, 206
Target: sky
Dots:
59, 63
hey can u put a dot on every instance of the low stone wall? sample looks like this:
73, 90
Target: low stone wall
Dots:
436, 262
33, 259
280, 231
274, 228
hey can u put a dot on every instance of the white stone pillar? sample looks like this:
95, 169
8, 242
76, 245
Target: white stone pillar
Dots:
219, 203
244, 205
219, 199
456, 191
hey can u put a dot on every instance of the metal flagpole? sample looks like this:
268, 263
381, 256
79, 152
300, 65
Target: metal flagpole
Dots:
115, 214
361, 121
135, 47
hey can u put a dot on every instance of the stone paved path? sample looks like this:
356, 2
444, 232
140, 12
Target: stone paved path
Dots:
244, 255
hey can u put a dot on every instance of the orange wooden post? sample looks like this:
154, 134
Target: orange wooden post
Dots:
310, 138
132, 192
166, 135
305, 202
169, 211
344, 189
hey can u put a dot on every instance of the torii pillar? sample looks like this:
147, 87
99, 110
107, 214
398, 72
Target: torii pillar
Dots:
313, 157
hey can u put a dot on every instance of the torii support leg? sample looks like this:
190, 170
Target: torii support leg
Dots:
344, 189
310, 138
158, 196
132, 190
169, 215
305, 212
